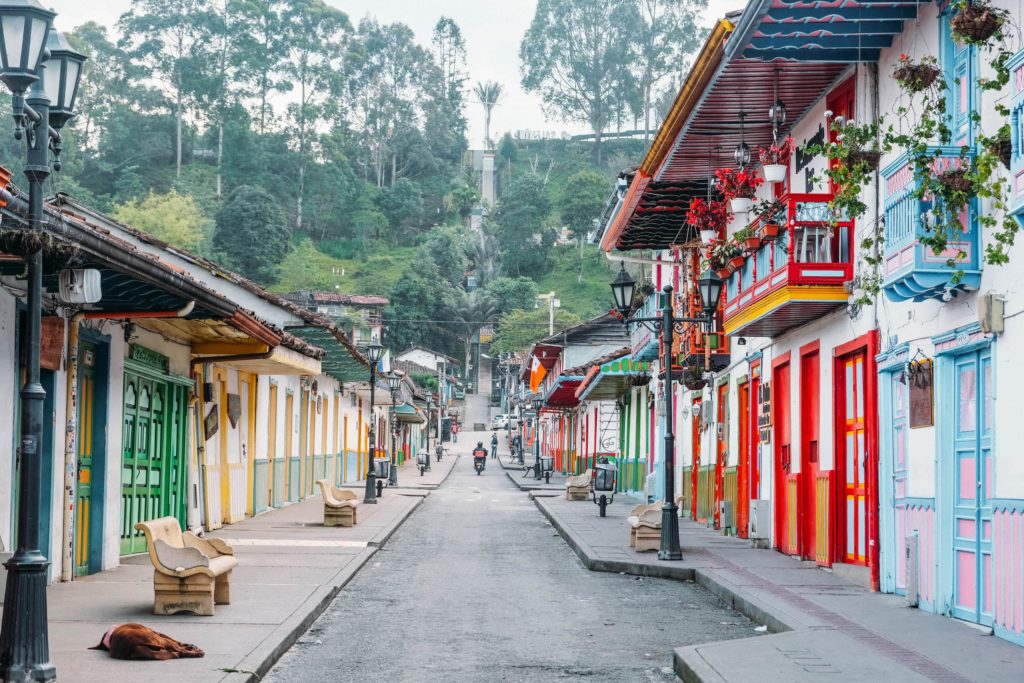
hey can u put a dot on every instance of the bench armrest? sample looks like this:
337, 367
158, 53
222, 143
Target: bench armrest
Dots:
210, 547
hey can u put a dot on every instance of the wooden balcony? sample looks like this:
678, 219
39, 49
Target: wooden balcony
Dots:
912, 271
795, 278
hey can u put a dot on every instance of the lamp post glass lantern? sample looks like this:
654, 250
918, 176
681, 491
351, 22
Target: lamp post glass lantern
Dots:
25, 29
622, 290
394, 384
374, 352
538, 403
604, 483
666, 325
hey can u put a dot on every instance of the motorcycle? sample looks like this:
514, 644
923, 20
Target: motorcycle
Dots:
479, 464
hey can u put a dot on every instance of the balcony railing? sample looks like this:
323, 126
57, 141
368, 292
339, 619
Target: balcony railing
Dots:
912, 271
644, 342
808, 263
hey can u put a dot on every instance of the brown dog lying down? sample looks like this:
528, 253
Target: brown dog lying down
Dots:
135, 641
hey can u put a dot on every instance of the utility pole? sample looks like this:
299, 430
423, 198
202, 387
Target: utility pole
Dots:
553, 303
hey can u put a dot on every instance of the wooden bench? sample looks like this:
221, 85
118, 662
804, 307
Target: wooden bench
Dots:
190, 574
645, 527
339, 504
578, 487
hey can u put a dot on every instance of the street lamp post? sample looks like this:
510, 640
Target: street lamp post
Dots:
521, 435
394, 383
374, 352
710, 286
538, 403
36, 55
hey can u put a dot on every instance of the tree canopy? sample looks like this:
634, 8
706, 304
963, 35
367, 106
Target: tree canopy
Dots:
251, 233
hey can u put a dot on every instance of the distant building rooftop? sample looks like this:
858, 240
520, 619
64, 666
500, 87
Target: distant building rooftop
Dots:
337, 298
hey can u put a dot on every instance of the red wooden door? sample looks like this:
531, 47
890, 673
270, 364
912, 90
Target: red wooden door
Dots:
721, 449
742, 486
694, 471
810, 409
853, 457
782, 444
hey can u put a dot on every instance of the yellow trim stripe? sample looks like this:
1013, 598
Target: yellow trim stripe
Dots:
782, 296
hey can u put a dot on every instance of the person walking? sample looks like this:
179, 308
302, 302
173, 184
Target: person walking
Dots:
494, 444
455, 431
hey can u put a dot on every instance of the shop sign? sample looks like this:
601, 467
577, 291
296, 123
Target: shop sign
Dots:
149, 357
764, 418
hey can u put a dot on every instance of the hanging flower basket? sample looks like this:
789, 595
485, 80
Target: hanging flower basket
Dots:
955, 180
741, 204
708, 217
693, 377
774, 173
976, 23
916, 77
870, 158
1004, 150
768, 231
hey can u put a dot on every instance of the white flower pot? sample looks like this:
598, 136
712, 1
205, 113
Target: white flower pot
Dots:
708, 236
741, 204
774, 173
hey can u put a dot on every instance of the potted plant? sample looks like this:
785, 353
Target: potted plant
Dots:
768, 212
775, 160
748, 238
708, 217
738, 186
1001, 146
914, 76
693, 376
976, 21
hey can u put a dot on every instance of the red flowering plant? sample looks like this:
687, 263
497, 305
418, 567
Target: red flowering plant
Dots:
737, 183
776, 154
706, 215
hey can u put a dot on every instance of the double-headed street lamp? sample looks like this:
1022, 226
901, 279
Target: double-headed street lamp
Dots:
394, 384
33, 54
710, 287
374, 352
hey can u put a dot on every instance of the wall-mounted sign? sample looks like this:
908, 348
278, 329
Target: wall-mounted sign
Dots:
155, 360
211, 423
919, 381
764, 418
234, 409
51, 342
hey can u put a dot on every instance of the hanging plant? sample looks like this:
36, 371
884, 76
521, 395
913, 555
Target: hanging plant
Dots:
733, 183
693, 376
915, 77
707, 217
955, 180
775, 160
1001, 146
976, 22
57, 254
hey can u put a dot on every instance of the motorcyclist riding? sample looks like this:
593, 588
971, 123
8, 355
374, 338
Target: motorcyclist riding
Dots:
494, 445
479, 456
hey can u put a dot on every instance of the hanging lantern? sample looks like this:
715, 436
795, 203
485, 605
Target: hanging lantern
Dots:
777, 112
741, 155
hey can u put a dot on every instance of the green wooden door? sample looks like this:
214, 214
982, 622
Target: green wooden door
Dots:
153, 464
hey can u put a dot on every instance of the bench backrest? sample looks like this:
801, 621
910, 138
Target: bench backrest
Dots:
164, 529
334, 495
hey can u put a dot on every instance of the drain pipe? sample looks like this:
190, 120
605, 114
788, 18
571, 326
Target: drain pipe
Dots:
71, 429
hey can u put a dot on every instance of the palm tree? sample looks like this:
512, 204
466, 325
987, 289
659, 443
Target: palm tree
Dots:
488, 92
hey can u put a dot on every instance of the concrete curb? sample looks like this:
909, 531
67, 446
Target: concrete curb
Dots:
751, 606
257, 663
531, 484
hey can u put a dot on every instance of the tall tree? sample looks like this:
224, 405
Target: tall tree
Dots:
170, 38
575, 55
489, 94
315, 36
522, 231
665, 31
262, 45
252, 233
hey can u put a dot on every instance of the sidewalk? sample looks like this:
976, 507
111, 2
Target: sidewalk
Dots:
290, 568
821, 624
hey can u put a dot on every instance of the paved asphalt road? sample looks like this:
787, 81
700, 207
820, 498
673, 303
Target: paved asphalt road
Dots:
476, 586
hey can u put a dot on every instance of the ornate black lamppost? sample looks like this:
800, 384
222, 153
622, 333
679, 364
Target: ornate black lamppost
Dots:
33, 54
538, 403
374, 352
710, 286
394, 384
521, 435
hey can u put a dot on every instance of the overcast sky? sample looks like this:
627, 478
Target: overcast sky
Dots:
493, 29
